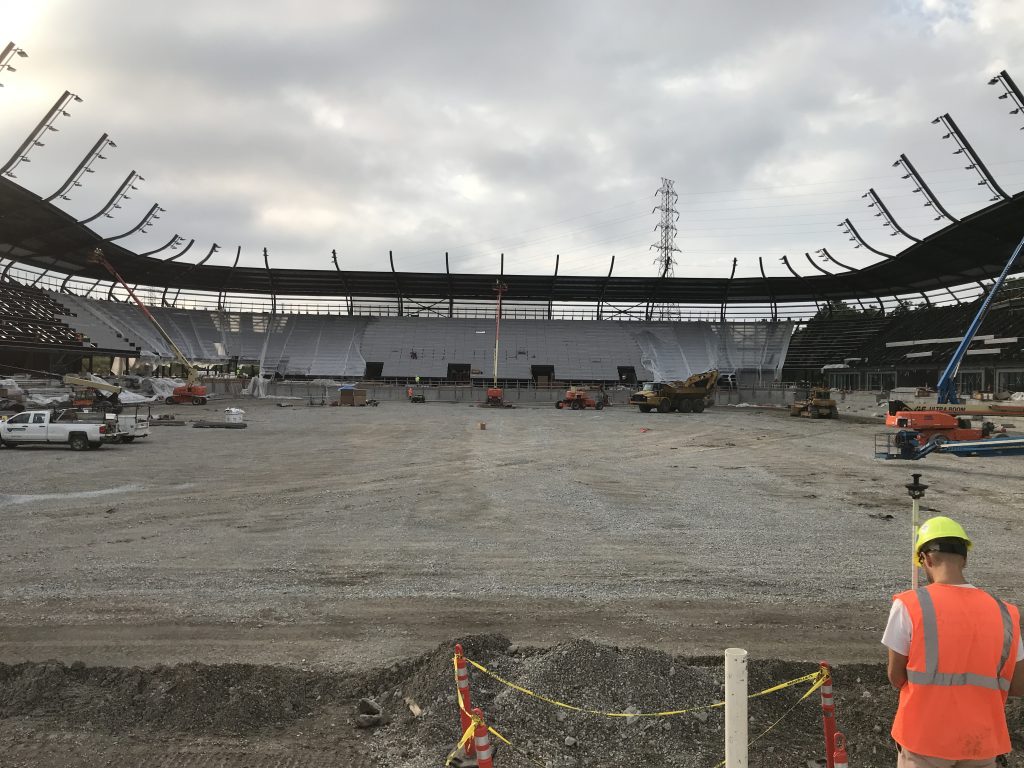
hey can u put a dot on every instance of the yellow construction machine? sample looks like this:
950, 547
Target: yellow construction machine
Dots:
84, 392
694, 394
813, 402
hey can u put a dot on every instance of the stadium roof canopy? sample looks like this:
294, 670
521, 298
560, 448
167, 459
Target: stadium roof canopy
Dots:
37, 233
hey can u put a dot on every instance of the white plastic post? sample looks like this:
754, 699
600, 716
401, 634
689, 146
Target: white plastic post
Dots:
735, 708
915, 527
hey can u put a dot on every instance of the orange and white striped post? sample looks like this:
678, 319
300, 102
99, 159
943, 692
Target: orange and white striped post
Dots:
840, 759
463, 697
828, 716
482, 741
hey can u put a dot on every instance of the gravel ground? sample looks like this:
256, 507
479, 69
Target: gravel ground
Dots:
339, 540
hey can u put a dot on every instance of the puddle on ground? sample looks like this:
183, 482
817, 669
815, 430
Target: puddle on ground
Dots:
30, 497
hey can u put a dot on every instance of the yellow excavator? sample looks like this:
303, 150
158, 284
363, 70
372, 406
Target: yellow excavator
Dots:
190, 392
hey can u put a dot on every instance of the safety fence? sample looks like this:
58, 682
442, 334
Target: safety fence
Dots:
474, 747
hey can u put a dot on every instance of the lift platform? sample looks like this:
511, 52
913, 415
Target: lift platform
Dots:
905, 445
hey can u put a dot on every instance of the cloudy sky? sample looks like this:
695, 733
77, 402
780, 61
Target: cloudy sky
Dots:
528, 128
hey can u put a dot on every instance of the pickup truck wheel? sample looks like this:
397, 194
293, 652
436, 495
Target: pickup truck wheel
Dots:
78, 442
664, 406
130, 439
169, 400
95, 446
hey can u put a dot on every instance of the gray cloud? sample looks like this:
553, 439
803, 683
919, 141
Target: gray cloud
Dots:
531, 129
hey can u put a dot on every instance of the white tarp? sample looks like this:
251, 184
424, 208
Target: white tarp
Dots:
13, 390
160, 388
45, 399
257, 387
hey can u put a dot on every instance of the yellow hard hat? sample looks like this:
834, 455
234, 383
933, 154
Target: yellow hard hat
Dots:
940, 528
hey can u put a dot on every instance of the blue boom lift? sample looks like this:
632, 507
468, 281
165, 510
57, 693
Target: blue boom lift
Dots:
905, 443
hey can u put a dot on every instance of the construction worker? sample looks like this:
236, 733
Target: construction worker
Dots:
953, 653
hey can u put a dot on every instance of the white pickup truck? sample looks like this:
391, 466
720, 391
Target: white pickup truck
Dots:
37, 427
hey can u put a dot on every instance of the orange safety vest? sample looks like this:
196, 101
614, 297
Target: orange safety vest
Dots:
962, 654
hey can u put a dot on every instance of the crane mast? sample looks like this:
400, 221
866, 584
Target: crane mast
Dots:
192, 373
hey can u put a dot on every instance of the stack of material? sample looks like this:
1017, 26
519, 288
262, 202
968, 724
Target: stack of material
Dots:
11, 395
350, 395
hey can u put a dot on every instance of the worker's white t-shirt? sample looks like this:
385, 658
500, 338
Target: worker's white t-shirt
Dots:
897, 632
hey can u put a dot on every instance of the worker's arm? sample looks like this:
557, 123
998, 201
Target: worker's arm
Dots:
898, 670
1017, 681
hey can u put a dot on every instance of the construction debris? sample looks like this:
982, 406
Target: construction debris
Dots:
370, 714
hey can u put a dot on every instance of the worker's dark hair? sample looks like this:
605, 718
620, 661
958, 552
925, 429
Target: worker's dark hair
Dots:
949, 544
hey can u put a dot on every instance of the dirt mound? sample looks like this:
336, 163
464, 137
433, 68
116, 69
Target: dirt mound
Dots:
274, 703
637, 679
229, 698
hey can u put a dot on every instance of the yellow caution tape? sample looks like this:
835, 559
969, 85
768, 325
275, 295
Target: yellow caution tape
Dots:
818, 677
823, 675
475, 721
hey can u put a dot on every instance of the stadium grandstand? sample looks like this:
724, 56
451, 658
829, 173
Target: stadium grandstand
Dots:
886, 325
889, 324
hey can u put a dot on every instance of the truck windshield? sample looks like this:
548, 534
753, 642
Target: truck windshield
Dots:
650, 387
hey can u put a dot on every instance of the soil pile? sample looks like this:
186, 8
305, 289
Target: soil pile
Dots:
277, 704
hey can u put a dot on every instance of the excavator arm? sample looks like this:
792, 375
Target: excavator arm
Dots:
192, 373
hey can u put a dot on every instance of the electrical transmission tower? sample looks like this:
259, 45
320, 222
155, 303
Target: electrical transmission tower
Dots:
667, 246
669, 216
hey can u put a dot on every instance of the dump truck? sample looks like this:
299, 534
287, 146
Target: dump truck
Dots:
813, 402
694, 394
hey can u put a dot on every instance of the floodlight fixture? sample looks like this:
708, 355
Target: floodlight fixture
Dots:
84, 167
931, 201
964, 148
8, 53
47, 123
1011, 91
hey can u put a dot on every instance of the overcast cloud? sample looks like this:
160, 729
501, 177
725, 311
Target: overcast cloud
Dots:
528, 128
